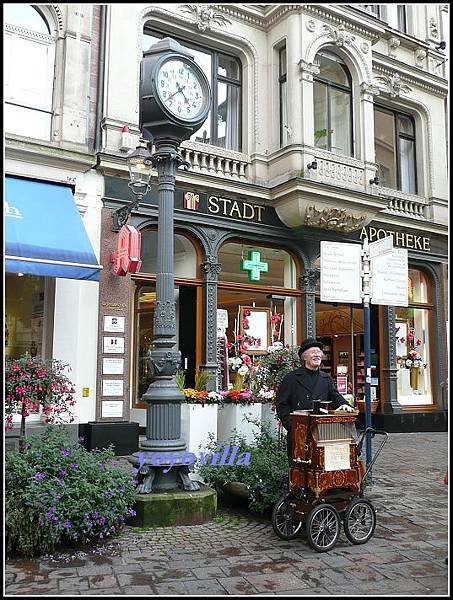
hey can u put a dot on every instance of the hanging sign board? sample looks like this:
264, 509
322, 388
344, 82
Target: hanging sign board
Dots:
389, 276
340, 272
382, 246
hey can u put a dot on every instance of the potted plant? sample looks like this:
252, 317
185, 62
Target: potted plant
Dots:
237, 407
34, 383
198, 411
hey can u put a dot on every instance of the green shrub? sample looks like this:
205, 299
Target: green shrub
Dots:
265, 477
58, 493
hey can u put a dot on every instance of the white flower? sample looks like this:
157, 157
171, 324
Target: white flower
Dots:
243, 370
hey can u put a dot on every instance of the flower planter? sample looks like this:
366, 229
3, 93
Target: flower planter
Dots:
269, 416
231, 416
197, 421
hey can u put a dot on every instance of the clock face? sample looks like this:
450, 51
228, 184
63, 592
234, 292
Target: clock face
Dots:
181, 88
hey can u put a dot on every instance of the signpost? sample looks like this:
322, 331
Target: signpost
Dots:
384, 270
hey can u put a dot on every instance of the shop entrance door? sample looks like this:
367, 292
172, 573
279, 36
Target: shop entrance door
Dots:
187, 331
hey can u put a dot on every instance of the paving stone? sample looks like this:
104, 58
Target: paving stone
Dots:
239, 553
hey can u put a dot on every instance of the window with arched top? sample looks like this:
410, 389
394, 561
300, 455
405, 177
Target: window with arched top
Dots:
332, 101
29, 60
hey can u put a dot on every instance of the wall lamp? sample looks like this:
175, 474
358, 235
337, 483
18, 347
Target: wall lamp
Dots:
375, 180
441, 45
139, 165
313, 165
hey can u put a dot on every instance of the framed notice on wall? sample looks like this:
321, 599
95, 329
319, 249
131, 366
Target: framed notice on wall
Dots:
255, 328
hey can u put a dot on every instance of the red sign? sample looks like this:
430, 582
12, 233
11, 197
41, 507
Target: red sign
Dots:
342, 384
126, 258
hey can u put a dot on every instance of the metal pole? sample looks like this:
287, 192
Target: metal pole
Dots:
367, 352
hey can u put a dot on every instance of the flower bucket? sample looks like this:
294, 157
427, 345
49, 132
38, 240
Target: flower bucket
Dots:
413, 378
232, 416
197, 421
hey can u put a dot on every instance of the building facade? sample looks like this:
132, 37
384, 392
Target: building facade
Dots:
328, 123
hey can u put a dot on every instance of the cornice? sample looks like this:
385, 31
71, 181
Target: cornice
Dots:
51, 155
384, 65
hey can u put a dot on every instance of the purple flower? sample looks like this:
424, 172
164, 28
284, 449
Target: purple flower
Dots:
81, 439
131, 512
73, 465
39, 475
67, 524
62, 473
50, 513
64, 451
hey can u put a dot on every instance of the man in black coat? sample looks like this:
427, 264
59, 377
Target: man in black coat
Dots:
301, 387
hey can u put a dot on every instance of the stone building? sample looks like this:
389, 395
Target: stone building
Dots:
328, 123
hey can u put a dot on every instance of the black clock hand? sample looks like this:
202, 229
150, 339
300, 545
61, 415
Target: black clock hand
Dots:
180, 89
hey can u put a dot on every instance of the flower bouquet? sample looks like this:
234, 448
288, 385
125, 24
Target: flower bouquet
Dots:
244, 396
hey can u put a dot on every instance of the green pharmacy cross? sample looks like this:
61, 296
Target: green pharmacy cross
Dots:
254, 266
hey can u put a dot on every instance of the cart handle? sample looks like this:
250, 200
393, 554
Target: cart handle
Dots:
378, 451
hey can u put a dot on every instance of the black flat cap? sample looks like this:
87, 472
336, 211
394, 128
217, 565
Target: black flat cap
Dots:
310, 343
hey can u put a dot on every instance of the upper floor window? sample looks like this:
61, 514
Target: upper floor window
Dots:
373, 9
332, 105
223, 124
29, 48
283, 96
394, 141
402, 17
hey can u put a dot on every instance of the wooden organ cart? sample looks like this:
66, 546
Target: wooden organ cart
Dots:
326, 480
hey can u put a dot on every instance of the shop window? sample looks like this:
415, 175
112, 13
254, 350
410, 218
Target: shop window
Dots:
274, 267
283, 96
28, 318
29, 55
255, 309
223, 124
413, 347
402, 17
332, 105
185, 263
395, 149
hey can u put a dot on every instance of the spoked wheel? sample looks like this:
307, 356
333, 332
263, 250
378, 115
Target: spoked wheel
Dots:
323, 527
359, 521
283, 522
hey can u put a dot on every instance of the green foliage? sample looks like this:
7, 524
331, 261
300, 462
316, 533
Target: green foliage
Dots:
59, 493
265, 477
201, 380
180, 378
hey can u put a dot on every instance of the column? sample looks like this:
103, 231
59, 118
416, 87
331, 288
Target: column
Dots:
211, 269
308, 287
390, 370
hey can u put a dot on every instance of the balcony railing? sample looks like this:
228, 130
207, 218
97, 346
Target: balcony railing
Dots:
211, 160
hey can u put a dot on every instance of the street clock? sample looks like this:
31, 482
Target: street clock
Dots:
175, 96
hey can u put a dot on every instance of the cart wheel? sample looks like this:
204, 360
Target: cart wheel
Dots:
283, 523
359, 521
323, 527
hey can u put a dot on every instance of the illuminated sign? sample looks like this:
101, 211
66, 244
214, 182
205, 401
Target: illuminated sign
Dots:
126, 258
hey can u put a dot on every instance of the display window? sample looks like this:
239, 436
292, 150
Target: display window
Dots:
413, 327
258, 305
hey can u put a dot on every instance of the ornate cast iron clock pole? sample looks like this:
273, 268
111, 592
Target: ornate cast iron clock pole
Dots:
175, 100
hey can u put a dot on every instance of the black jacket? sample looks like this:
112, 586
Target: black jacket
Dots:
294, 394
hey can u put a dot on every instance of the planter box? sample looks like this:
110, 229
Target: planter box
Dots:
270, 417
231, 416
197, 421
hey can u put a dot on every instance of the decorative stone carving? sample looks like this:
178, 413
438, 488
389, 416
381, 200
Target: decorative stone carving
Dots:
205, 16
364, 47
211, 268
394, 85
310, 25
369, 90
337, 219
165, 314
393, 44
339, 35
433, 28
420, 55
164, 362
307, 70
308, 279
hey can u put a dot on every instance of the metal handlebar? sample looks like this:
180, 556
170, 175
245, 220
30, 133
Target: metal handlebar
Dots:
378, 451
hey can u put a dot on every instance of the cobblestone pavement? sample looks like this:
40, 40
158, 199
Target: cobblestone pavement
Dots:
239, 554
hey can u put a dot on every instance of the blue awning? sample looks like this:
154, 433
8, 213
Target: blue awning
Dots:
45, 234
